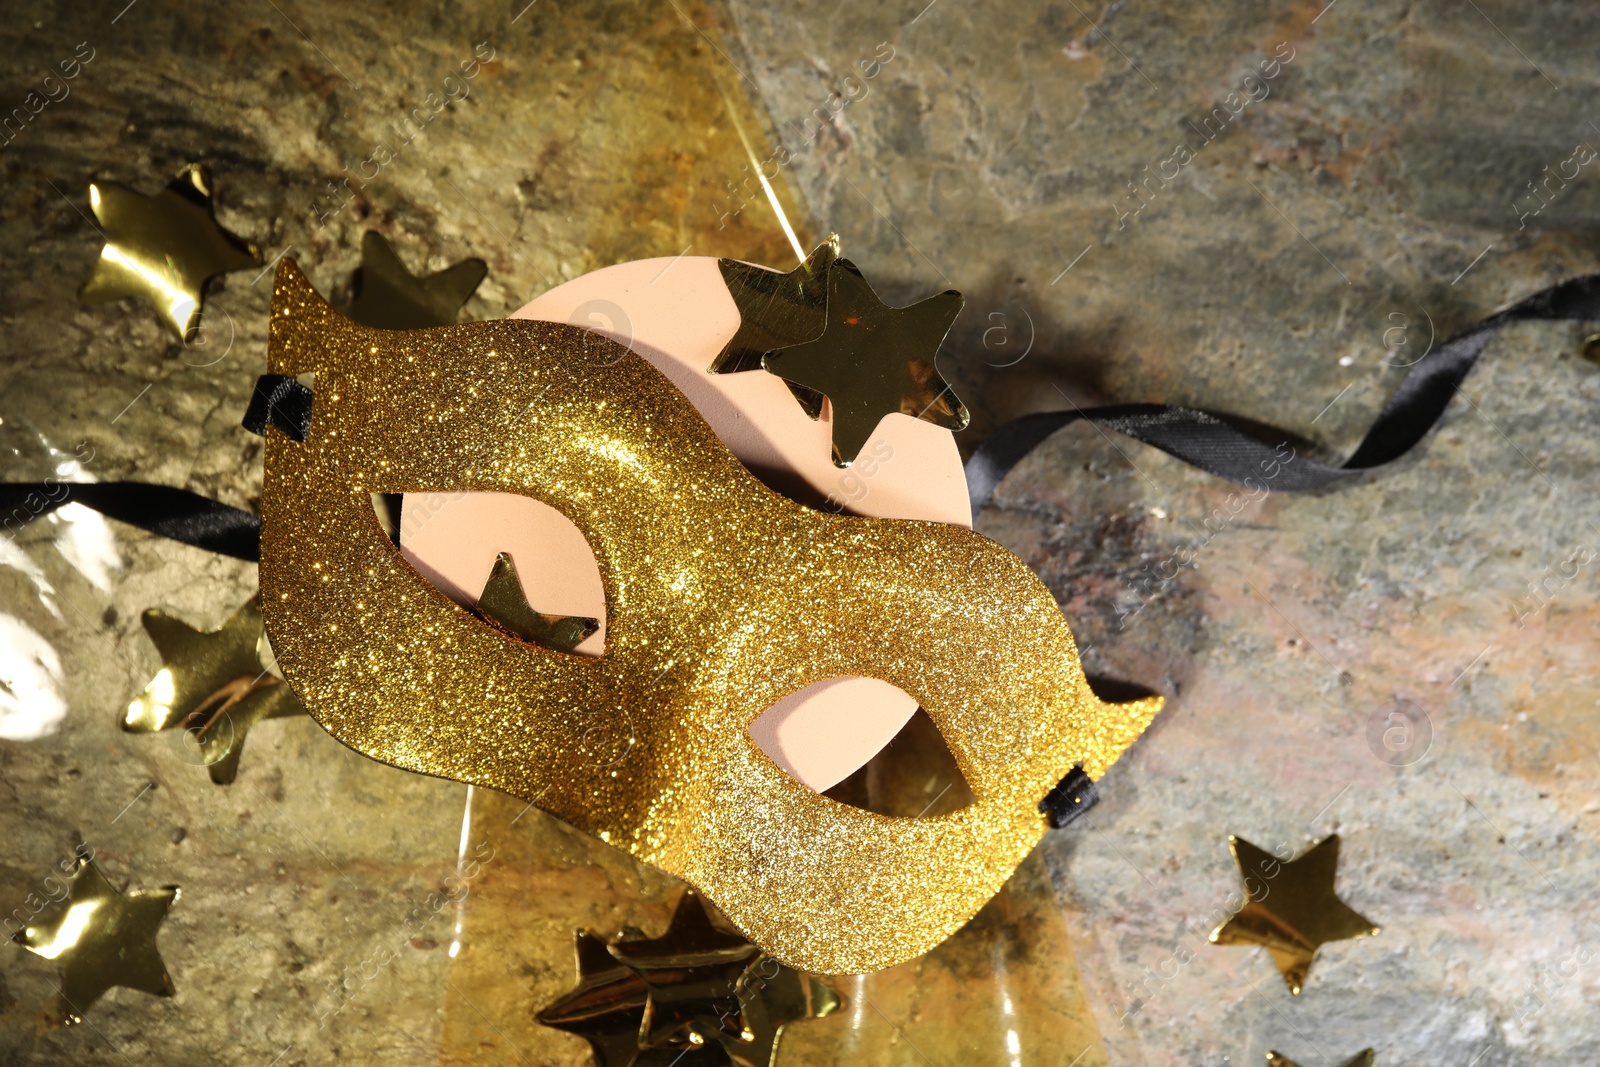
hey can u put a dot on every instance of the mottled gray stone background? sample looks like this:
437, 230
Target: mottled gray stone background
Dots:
1373, 189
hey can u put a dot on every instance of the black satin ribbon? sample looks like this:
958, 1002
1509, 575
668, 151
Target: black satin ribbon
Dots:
1205, 441
159, 509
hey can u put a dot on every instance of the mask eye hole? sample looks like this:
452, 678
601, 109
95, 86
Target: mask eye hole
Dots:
914, 776
519, 564
863, 742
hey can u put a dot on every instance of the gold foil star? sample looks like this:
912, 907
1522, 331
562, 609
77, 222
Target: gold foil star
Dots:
873, 360
503, 603
390, 297
777, 310
211, 684
1365, 1058
104, 938
1292, 908
698, 995
163, 248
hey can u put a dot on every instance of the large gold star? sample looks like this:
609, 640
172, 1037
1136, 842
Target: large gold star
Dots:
696, 996
1292, 908
104, 938
163, 248
1365, 1058
692, 968
777, 310
211, 684
390, 297
873, 360
606, 1007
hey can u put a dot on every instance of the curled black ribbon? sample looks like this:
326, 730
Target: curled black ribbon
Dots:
1205, 441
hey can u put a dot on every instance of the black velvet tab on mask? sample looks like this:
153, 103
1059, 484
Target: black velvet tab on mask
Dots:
282, 402
1072, 796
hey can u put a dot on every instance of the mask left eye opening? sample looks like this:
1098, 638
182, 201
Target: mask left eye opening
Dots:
468, 546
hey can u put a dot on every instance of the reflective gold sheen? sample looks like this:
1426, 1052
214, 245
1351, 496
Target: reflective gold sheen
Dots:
1365, 1058
163, 248
103, 938
502, 603
697, 995
873, 360
1291, 908
211, 684
777, 310
721, 598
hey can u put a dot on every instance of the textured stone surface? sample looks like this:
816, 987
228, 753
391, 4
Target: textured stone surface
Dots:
990, 155
989, 152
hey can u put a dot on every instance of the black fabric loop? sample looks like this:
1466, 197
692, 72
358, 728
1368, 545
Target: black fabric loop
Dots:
279, 401
159, 509
1071, 797
1205, 441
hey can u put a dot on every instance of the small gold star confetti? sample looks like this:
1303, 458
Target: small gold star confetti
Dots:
1591, 348
873, 360
104, 938
698, 995
390, 297
503, 604
1365, 1058
163, 248
1292, 908
211, 684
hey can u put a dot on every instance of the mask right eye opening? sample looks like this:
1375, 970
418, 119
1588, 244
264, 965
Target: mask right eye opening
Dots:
914, 776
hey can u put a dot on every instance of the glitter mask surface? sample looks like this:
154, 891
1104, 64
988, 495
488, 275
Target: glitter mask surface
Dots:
721, 597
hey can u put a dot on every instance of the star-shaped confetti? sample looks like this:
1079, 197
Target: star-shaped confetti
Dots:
698, 995
104, 938
163, 248
211, 684
502, 603
390, 297
777, 310
873, 360
1292, 908
1365, 1058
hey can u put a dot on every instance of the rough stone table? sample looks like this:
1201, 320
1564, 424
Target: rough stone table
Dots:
1375, 196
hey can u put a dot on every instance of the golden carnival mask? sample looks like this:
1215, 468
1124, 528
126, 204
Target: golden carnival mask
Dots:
722, 597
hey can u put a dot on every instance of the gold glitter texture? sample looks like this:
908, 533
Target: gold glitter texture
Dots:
721, 596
